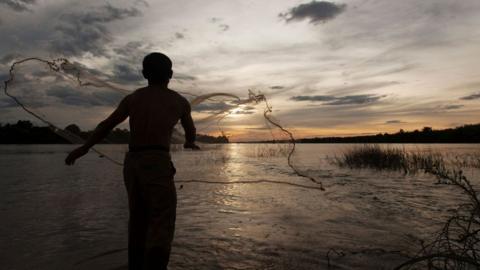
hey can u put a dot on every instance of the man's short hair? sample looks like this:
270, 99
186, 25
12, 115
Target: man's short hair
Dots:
157, 66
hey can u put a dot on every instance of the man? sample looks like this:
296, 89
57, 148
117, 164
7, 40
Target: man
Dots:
148, 171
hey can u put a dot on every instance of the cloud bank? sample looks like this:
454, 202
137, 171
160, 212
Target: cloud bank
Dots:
343, 100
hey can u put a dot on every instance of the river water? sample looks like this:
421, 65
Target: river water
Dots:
58, 217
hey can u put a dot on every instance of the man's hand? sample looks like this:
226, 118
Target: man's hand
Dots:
192, 146
75, 154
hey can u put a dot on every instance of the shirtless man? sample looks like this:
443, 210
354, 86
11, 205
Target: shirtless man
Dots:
148, 171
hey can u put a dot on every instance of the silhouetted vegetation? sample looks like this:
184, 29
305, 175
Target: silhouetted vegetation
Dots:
457, 243
24, 132
269, 150
463, 134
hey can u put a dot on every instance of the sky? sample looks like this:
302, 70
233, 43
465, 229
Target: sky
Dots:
328, 68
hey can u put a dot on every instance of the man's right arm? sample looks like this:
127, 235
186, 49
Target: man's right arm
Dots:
189, 127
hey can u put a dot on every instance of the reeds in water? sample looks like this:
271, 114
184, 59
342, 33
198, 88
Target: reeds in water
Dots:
457, 244
269, 150
393, 159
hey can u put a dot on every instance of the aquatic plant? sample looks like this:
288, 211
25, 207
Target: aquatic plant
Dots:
373, 157
457, 244
395, 159
269, 150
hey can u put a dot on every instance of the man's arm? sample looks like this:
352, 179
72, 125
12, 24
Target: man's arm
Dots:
101, 131
189, 127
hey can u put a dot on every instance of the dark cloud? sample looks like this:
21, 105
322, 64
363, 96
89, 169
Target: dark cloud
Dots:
126, 73
471, 97
259, 128
452, 107
244, 112
70, 96
394, 122
344, 100
9, 57
215, 19
137, 49
4, 76
277, 87
315, 12
183, 77
224, 27
213, 107
313, 98
179, 35
7, 103
83, 32
19, 5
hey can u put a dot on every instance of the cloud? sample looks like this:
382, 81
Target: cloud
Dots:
471, 97
183, 77
215, 19
213, 107
4, 76
370, 73
125, 73
7, 103
355, 88
134, 49
277, 87
344, 100
179, 35
9, 57
452, 107
313, 98
394, 122
224, 27
223, 106
19, 5
83, 32
315, 12
245, 110
70, 96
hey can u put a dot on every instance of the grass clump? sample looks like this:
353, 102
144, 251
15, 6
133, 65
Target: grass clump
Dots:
373, 157
269, 150
393, 159
457, 244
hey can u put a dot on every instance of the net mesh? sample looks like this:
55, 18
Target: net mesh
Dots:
57, 91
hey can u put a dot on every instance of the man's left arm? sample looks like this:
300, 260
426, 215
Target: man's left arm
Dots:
101, 131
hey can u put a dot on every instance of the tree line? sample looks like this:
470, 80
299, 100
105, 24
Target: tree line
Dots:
462, 134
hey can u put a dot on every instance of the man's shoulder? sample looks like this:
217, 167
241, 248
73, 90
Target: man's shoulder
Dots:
138, 90
178, 96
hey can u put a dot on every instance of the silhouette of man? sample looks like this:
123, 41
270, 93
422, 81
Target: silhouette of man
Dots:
148, 171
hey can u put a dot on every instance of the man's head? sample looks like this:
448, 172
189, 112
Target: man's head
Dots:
157, 68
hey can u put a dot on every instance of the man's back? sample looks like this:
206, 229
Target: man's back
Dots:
154, 111
148, 170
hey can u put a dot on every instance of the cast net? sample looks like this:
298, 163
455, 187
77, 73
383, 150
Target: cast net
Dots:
57, 91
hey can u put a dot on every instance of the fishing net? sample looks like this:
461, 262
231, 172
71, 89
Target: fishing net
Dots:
57, 91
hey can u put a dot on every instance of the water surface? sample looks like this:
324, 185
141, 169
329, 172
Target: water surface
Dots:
59, 217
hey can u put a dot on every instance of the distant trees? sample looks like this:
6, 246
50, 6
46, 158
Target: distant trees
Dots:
74, 129
24, 132
427, 130
463, 134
